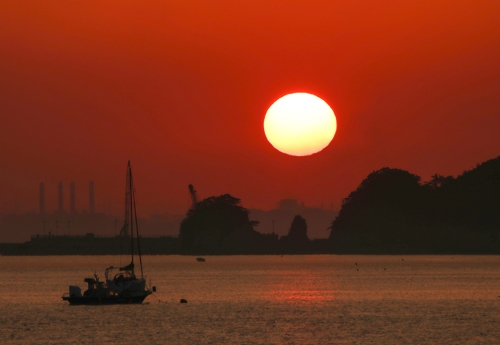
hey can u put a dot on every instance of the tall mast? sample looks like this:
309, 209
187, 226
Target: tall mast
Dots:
128, 203
137, 233
129, 199
133, 216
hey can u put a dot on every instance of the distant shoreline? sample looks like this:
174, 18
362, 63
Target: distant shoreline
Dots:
167, 246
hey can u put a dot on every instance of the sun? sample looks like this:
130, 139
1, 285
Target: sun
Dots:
300, 124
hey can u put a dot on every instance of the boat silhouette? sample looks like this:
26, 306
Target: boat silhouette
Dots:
121, 285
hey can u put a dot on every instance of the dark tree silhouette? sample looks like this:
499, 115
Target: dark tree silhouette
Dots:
384, 195
213, 219
472, 200
391, 211
438, 181
378, 215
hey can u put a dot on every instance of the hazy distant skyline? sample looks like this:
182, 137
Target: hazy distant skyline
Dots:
181, 89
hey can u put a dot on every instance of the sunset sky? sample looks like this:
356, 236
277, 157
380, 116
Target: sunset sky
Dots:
181, 89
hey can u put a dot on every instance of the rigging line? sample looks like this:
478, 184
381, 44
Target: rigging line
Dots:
152, 293
137, 231
131, 213
121, 250
122, 241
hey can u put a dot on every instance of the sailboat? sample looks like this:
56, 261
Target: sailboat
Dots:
121, 285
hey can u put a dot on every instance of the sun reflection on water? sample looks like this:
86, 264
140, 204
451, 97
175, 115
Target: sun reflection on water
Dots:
261, 300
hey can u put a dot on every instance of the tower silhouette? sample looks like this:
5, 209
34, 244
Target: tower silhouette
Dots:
91, 197
72, 198
60, 207
42, 198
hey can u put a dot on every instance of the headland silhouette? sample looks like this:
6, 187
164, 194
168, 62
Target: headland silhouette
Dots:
391, 212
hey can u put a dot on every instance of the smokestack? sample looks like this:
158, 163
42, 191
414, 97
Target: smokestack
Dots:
60, 207
91, 197
72, 198
42, 198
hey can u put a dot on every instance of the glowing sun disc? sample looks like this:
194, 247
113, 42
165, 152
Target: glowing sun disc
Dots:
300, 124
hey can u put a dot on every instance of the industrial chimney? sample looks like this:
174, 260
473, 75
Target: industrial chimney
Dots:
42, 198
91, 197
60, 207
72, 198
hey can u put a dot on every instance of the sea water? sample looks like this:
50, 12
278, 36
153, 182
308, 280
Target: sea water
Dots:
303, 299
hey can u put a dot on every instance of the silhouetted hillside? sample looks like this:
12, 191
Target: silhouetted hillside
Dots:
472, 200
210, 222
220, 225
393, 211
298, 231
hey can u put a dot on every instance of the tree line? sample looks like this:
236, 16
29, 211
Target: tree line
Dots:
393, 211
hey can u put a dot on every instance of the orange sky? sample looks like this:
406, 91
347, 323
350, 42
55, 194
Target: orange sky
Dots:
181, 89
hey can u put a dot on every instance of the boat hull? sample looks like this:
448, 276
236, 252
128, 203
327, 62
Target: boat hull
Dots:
83, 300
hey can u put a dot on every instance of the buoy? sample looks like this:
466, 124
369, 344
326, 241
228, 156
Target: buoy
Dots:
183, 300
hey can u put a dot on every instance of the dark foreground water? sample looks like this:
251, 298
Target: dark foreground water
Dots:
316, 299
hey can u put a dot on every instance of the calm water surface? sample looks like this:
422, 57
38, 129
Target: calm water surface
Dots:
316, 299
